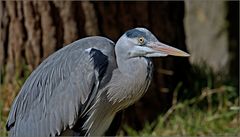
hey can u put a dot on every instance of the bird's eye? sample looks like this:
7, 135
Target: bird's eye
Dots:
141, 40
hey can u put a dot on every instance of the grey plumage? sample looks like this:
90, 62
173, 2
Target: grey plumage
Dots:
78, 89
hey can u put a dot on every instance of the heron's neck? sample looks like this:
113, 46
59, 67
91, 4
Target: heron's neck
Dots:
138, 67
129, 82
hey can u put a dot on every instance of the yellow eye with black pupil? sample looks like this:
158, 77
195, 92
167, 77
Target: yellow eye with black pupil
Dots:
141, 40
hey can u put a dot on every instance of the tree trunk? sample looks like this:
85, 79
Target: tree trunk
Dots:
31, 31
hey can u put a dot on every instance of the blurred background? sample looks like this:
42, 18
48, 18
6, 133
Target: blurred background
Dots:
196, 96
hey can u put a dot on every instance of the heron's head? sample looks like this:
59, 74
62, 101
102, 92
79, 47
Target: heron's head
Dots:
140, 42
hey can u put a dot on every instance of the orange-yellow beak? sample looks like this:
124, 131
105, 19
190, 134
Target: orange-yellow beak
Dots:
168, 50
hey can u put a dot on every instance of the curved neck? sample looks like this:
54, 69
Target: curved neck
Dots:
133, 67
130, 81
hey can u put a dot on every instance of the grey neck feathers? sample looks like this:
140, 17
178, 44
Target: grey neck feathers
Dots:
129, 82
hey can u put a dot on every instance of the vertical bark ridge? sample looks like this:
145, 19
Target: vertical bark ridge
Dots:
49, 42
33, 43
66, 9
91, 22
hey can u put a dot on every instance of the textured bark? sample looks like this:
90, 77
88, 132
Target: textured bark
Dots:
32, 30
33, 43
66, 9
4, 18
91, 24
16, 41
49, 41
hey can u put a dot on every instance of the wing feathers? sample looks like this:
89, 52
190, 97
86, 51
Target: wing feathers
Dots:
62, 88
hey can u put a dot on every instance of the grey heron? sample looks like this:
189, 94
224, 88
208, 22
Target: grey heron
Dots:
79, 89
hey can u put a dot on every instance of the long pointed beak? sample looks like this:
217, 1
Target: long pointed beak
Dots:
165, 49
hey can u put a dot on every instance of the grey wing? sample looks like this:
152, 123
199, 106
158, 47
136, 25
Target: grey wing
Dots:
61, 89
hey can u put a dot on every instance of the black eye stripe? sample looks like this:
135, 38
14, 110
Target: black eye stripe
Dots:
134, 33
